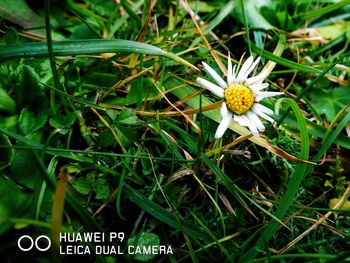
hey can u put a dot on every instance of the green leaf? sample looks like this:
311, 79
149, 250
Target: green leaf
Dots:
6, 154
101, 188
102, 79
63, 122
29, 123
9, 122
127, 117
18, 12
23, 167
85, 185
30, 93
6, 102
335, 30
206, 7
102, 7
330, 102
15, 202
127, 135
106, 139
83, 31
82, 185
141, 241
253, 10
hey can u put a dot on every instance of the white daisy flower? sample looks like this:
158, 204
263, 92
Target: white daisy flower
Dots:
241, 96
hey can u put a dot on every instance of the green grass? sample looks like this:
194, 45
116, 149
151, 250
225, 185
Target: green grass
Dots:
103, 128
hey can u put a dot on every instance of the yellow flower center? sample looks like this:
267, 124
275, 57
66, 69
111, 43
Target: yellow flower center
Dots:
239, 98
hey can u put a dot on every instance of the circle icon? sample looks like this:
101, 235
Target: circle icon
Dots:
48, 243
19, 242
24, 238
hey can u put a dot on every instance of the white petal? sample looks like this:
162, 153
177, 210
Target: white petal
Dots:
229, 70
224, 111
241, 121
262, 95
255, 80
261, 113
262, 108
266, 117
215, 75
251, 126
225, 122
258, 87
211, 87
244, 69
244, 121
251, 68
255, 119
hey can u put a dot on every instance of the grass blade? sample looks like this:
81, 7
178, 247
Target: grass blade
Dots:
221, 16
282, 61
86, 47
325, 10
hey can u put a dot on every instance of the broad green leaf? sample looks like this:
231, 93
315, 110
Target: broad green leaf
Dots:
127, 135
30, 92
101, 188
141, 241
82, 31
102, 79
63, 122
330, 102
6, 102
102, 7
82, 185
6, 154
127, 117
88, 184
106, 139
9, 122
19, 12
29, 123
15, 201
253, 10
206, 7
334, 30
23, 167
